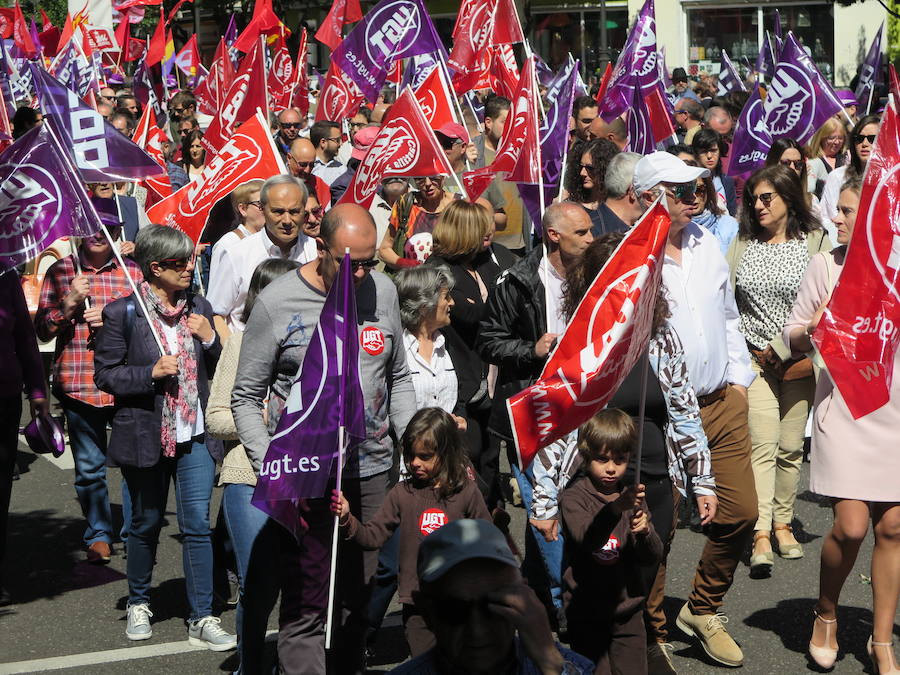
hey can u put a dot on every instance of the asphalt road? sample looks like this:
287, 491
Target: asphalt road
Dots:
68, 616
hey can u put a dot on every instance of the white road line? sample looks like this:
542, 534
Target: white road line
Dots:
95, 658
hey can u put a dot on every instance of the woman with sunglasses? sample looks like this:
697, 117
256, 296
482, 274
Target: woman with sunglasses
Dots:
709, 147
862, 140
827, 150
853, 462
193, 155
790, 153
158, 427
777, 237
407, 242
586, 181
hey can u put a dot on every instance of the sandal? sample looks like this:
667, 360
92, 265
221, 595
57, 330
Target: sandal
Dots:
889, 646
824, 656
761, 562
788, 547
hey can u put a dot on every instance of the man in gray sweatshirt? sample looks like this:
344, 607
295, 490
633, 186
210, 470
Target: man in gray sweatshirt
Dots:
281, 325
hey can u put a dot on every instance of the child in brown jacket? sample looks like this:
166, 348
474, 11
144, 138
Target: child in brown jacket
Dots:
608, 535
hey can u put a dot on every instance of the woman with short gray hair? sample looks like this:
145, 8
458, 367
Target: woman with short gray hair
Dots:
158, 428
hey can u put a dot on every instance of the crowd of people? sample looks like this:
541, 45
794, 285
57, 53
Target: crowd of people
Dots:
461, 303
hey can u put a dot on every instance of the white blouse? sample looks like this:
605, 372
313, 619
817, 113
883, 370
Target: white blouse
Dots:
435, 382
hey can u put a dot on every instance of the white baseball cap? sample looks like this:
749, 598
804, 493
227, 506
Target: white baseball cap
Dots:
662, 167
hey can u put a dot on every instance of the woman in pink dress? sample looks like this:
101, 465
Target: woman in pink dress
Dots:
856, 463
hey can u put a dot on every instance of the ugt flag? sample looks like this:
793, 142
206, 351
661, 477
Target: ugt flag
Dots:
859, 331
729, 78
325, 401
871, 72
602, 342
41, 199
392, 30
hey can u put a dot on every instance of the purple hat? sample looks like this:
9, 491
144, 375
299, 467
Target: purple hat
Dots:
846, 97
43, 435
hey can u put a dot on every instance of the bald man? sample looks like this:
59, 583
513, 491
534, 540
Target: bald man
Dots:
280, 328
300, 161
614, 131
289, 125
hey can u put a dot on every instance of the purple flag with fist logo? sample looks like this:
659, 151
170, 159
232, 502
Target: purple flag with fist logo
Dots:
391, 30
752, 139
870, 75
41, 199
638, 64
325, 400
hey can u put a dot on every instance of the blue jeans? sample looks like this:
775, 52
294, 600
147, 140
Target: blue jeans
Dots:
193, 470
543, 559
255, 540
87, 436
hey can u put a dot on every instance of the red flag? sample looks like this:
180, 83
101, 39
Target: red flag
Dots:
175, 11
660, 119
504, 73
604, 82
136, 3
45, 20
395, 74
6, 138
340, 96
342, 12
860, 329
21, 36
7, 19
188, 59
244, 95
432, 98
404, 146
506, 28
299, 96
480, 24
894, 84
248, 155
49, 38
281, 75
156, 45
149, 137
210, 91
264, 22
604, 339
135, 49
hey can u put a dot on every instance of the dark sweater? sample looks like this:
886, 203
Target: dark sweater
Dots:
417, 511
601, 574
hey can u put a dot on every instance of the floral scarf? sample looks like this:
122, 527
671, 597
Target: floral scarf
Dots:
181, 391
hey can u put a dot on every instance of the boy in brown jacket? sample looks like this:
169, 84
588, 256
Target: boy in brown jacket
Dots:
608, 535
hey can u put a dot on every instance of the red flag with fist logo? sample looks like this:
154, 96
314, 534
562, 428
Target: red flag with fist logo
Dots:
858, 333
432, 98
604, 339
339, 98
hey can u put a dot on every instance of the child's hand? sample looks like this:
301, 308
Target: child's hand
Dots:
631, 497
340, 506
640, 523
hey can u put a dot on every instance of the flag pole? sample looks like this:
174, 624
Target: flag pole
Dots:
871, 93
645, 365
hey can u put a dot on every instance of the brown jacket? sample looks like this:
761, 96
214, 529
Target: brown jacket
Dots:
602, 555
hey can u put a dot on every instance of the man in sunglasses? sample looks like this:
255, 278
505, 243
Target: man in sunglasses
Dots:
484, 617
289, 125
277, 335
327, 139
300, 160
705, 317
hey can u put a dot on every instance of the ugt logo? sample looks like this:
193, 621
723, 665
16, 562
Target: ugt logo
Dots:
88, 137
392, 30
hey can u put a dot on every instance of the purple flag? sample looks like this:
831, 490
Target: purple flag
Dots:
640, 129
392, 29
41, 199
325, 399
777, 24
148, 89
417, 70
752, 139
729, 78
99, 151
6, 80
544, 72
799, 100
664, 71
765, 64
870, 74
73, 70
230, 36
637, 64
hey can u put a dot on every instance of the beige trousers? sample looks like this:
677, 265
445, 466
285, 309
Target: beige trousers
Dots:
777, 420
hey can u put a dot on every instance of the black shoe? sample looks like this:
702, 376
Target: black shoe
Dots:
659, 662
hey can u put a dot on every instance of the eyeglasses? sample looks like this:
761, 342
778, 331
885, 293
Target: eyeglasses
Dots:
766, 198
682, 191
420, 180
305, 165
177, 264
587, 167
291, 125
859, 138
835, 139
336, 139
456, 612
317, 212
257, 204
184, 132
177, 111
796, 163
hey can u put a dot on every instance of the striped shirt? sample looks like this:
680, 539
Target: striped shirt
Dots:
73, 361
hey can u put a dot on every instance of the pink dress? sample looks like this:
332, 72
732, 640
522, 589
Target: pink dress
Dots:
850, 459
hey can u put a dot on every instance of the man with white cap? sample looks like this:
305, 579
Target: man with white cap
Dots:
484, 617
705, 317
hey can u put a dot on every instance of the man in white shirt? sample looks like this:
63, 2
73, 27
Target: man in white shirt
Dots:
245, 202
283, 200
327, 139
705, 317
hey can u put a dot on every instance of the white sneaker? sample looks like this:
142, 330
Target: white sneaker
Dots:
208, 632
138, 624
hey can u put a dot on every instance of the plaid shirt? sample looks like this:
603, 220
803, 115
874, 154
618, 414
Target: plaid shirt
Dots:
73, 362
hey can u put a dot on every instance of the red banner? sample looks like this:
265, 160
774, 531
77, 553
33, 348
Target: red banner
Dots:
404, 146
504, 72
248, 155
432, 98
340, 96
299, 92
605, 338
149, 137
859, 331
480, 24
281, 75
342, 12
210, 91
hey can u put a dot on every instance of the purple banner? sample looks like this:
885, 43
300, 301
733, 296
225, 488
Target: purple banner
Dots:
765, 62
73, 70
870, 75
40, 198
325, 399
637, 64
752, 139
729, 78
640, 129
417, 71
391, 30
100, 152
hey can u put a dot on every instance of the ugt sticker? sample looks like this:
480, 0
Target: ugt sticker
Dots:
431, 520
372, 340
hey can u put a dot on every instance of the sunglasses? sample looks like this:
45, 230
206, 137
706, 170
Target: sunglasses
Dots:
317, 212
305, 165
177, 264
796, 163
357, 125
184, 132
257, 204
290, 125
367, 265
859, 138
587, 167
766, 198
682, 191
420, 180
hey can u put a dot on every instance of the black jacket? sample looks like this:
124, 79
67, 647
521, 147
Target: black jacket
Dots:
123, 365
516, 317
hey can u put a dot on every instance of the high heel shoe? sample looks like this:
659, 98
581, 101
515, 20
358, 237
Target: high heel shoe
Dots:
824, 656
870, 647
